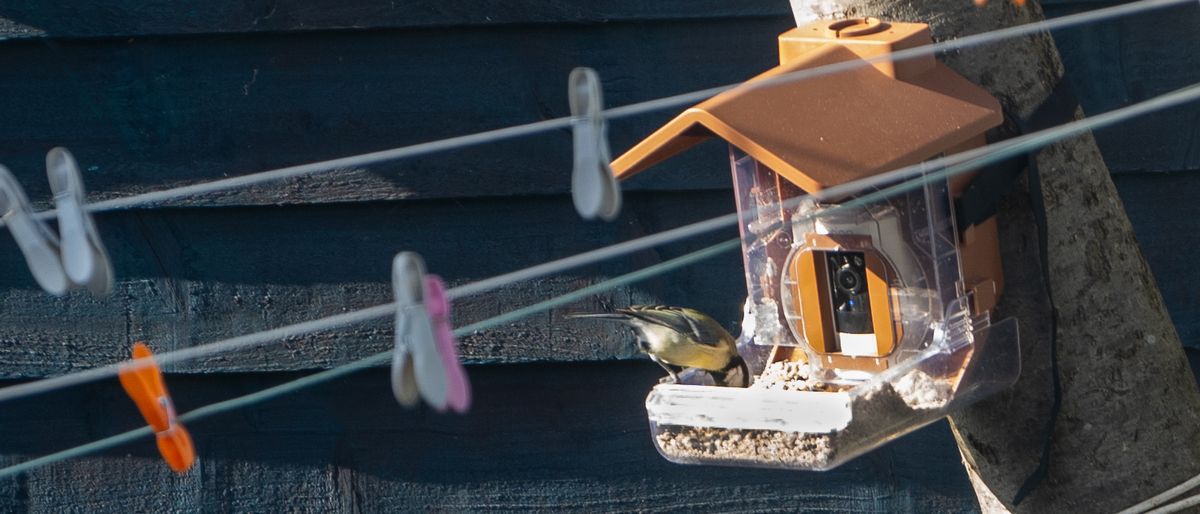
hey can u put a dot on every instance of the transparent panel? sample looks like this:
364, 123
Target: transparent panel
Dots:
858, 329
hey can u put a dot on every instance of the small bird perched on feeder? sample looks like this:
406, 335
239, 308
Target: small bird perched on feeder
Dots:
678, 338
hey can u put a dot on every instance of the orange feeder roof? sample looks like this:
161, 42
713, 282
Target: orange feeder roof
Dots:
837, 128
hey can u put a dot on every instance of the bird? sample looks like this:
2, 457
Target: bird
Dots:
678, 337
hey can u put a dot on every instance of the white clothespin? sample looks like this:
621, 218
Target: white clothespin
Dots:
33, 237
425, 363
79, 258
593, 186
83, 254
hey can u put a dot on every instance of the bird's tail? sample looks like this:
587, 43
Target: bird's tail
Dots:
736, 374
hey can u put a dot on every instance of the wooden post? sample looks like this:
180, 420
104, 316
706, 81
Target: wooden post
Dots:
1128, 421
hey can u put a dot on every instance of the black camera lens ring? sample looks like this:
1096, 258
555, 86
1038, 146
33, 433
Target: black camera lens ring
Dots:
850, 280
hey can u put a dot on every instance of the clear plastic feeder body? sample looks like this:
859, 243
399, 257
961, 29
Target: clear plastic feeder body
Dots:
862, 330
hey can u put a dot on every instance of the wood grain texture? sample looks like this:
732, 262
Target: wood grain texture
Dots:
1129, 415
1029, 404
127, 18
148, 114
131, 18
195, 276
253, 86
1163, 208
1121, 62
540, 437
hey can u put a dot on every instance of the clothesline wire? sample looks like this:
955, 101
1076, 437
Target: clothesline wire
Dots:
491, 136
1162, 498
1177, 506
512, 132
529, 129
975, 157
931, 171
379, 358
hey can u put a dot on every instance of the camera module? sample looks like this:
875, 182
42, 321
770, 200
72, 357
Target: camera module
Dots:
851, 300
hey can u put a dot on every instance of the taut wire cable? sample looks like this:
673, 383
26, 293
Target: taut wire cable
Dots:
1166, 496
491, 136
930, 171
957, 163
379, 358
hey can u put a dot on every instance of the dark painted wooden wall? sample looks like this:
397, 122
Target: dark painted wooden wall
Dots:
151, 94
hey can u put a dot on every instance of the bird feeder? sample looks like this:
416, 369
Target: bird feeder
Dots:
869, 314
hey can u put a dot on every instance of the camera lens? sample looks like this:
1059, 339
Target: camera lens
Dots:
850, 280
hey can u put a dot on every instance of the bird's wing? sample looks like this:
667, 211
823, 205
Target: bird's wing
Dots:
703, 329
709, 331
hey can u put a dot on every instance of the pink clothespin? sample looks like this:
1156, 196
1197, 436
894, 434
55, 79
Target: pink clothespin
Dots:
458, 389
425, 364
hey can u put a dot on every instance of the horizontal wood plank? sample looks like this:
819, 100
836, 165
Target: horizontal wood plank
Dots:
1163, 208
134, 18
149, 114
566, 437
1121, 62
198, 275
195, 276
130, 18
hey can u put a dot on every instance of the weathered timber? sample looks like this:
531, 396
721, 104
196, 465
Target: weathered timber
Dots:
1119, 62
1027, 407
147, 114
127, 18
132, 18
269, 277
1163, 208
195, 276
1129, 420
566, 437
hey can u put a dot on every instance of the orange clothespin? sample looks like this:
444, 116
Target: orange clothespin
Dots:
144, 384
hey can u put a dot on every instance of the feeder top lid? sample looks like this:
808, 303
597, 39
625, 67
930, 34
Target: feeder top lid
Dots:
840, 127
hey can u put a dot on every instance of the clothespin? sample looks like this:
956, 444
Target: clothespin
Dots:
425, 363
593, 186
143, 383
458, 389
83, 254
78, 259
33, 237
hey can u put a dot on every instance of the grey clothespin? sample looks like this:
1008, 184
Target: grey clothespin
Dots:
593, 187
83, 254
416, 365
33, 237
78, 259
